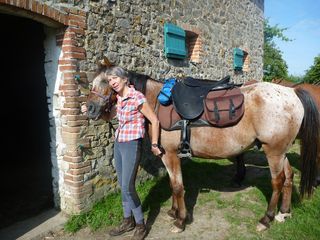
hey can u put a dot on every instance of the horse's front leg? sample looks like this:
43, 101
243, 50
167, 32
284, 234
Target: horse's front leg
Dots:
173, 212
178, 210
278, 177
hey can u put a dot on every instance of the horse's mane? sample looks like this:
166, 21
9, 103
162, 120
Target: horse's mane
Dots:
138, 80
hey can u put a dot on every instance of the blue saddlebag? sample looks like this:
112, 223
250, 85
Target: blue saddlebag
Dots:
165, 95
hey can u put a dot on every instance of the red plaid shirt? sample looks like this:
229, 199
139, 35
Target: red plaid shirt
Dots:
131, 120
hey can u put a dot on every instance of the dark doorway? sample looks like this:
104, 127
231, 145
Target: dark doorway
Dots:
25, 179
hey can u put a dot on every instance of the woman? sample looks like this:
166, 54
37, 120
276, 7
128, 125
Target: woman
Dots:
132, 109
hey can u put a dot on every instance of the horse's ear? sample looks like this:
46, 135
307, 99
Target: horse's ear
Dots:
106, 62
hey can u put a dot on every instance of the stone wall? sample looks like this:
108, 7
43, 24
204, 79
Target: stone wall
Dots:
130, 34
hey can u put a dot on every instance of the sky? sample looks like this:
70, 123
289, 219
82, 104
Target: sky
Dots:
302, 18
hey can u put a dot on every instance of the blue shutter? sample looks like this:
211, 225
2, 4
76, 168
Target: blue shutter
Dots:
174, 41
238, 55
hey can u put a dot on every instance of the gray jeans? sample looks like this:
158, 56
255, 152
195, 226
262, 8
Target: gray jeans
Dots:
127, 157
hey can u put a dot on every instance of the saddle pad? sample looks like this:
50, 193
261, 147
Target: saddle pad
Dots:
224, 107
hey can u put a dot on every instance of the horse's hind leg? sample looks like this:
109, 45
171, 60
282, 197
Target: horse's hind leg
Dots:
240, 172
276, 164
286, 193
317, 181
178, 210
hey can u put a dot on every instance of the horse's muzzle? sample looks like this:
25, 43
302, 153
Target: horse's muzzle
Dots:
93, 111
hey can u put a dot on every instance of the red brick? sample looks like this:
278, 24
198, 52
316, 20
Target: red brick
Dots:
79, 165
74, 177
67, 68
70, 111
71, 129
73, 153
73, 49
76, 117
63, 19
69, 42
80, 56
73, 23
70, 137
71, 105
68, 87
78, 123
76, 30
80, 170
72, 159
67, 62
77, 18
82, 13
74, 183
71, 93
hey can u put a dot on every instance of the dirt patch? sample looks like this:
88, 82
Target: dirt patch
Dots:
218, 213
209, 222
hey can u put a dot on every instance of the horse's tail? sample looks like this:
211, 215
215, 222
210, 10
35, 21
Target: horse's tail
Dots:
309, 134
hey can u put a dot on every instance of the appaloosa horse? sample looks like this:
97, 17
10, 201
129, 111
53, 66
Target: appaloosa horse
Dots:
314, 91
273, 115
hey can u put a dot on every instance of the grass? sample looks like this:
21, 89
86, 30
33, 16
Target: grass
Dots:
205, 182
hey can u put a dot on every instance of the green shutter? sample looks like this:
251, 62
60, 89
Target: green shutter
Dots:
174, 41
238, 55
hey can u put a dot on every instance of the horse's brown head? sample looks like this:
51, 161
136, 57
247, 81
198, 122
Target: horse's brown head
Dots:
102, 98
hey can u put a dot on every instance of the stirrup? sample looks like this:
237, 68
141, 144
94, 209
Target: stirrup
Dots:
184, 150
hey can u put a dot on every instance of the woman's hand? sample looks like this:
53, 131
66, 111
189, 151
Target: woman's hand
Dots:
83, 109
157, 150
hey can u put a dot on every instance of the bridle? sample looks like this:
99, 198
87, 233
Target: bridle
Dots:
106, 100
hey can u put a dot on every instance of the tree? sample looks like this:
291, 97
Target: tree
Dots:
273, 64
313, 73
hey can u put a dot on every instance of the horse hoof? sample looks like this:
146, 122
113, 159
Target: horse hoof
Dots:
175, 229
261, 227
172, 214
281, 217
168, 218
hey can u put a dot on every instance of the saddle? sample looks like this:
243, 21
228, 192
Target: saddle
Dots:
197, 103
188, 95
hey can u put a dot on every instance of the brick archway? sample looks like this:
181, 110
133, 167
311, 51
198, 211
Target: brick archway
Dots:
67, 26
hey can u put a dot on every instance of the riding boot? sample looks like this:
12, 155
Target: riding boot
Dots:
126, 225
140, 233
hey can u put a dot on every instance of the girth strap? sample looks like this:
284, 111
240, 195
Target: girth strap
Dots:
184, 146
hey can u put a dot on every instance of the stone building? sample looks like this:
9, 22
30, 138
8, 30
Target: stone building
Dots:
49, 54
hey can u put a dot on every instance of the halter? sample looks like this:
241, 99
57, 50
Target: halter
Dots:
106, 99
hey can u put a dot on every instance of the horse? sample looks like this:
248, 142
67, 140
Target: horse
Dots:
273, 115
314, 91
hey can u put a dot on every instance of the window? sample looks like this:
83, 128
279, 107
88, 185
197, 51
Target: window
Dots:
182, 42
194, 45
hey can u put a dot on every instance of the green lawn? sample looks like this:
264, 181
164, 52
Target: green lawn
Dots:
205, 181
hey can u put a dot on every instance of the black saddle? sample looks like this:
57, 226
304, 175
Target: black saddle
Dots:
188, 95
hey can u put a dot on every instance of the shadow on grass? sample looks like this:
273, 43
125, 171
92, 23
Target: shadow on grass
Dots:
205, 175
